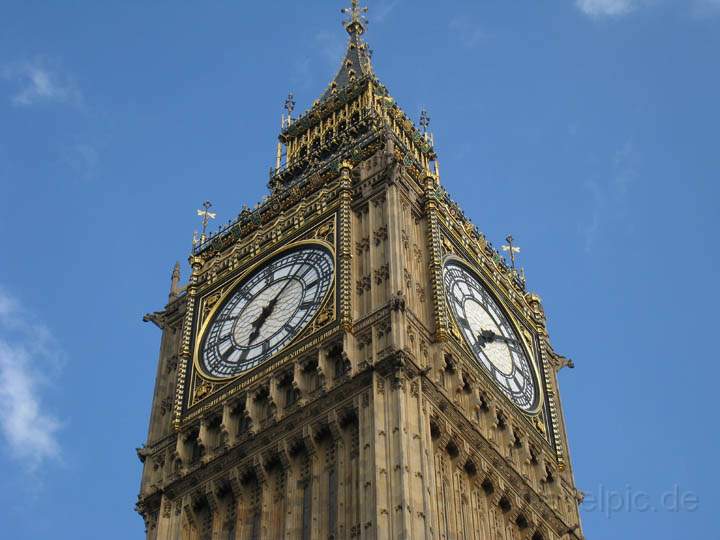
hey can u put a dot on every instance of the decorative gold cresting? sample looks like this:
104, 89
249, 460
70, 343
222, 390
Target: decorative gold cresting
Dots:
357, 22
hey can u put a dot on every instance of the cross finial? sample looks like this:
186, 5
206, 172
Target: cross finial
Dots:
290, 104
289, 107
512, 249
356, 22
206, 216
424, 120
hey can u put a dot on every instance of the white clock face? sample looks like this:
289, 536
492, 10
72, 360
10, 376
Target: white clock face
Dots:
490, 335
266, 311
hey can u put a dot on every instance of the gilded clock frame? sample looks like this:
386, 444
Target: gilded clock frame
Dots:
451, 237
325, 230
232, 287
531, 352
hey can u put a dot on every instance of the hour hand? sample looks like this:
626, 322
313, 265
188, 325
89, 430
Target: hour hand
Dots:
264, 314
488, 336
256, 329
255, 334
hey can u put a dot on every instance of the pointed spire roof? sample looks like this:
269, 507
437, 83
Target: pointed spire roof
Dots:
356, 63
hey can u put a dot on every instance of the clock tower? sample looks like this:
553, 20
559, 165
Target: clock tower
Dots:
352, 358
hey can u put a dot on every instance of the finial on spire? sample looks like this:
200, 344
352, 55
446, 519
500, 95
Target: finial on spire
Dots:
175, 281
357, 63
425, 124
424, 120
286, 123
290, 105
356, 22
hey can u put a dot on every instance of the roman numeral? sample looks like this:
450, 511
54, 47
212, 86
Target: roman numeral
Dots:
313, 284
268, 275
212, 363
306, 271
306, 305
227, 354
244, 294
289, 328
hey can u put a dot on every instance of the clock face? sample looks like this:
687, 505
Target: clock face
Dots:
490, 335
266, 311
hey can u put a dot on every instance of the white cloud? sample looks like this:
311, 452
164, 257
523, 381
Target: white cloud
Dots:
7, 306
38, 81
606, 8
27, 355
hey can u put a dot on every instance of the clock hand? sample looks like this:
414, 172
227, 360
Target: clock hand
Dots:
289, 280
271, 306
260, 321
265, 313
485, 337
488, 336
256, 327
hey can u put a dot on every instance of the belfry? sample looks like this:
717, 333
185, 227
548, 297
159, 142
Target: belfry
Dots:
351, 358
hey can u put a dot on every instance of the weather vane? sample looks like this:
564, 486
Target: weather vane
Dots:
357, 21
512, 249
206, 216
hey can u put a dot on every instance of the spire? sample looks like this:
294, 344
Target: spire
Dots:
356, 63
175, 281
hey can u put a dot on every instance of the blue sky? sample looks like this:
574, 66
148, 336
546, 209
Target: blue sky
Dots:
586, 128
